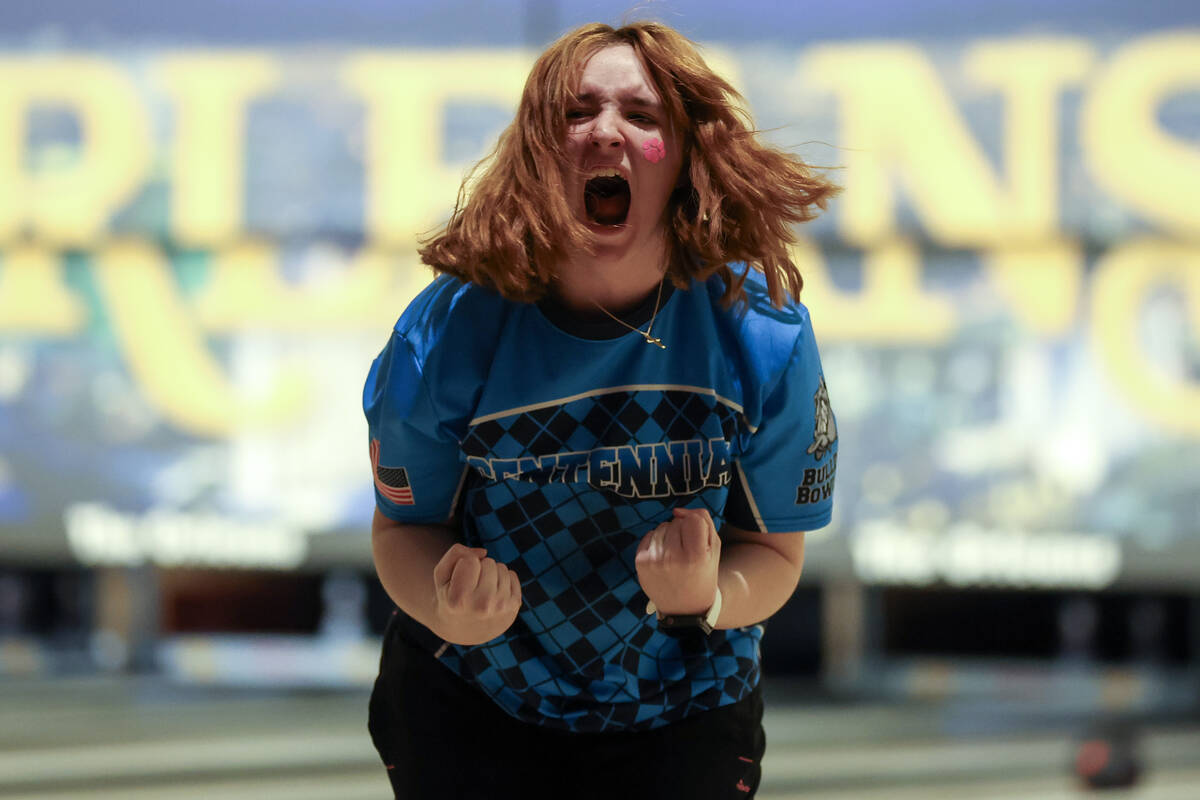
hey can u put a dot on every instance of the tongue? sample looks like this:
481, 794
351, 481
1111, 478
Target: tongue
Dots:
606, 209
609, 210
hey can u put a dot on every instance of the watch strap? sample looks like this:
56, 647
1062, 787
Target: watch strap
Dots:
706, 622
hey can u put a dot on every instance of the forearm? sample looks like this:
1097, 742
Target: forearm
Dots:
405, 556
755, 581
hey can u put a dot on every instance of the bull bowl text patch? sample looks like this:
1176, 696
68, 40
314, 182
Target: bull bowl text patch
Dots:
817, 483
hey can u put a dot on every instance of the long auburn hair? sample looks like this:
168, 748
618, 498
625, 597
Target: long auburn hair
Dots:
736, 201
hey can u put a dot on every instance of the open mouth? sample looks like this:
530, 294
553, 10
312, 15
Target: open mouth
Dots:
606, 200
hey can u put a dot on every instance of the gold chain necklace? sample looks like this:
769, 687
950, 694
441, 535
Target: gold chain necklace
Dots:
645, 333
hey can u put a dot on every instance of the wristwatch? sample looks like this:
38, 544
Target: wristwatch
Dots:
706, 622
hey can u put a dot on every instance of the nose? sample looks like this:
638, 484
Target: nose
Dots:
605, 133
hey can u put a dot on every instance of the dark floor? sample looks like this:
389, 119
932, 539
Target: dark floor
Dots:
141, 738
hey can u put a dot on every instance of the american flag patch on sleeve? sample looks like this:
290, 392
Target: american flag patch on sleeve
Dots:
392, 482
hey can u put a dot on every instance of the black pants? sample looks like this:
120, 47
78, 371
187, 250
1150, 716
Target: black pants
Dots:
440, 737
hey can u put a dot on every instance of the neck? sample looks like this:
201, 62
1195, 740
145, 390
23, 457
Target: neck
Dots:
616, 283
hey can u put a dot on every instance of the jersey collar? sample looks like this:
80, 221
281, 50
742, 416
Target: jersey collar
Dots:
601, 326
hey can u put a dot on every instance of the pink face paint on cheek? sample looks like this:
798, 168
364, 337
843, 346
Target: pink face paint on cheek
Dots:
654, 150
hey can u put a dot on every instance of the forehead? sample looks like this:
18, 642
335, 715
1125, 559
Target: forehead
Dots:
616, 71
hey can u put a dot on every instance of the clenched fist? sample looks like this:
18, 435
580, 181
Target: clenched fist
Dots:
677, 563
477, 597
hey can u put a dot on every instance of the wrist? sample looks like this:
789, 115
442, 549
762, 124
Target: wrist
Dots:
465, 635
696, 604
706, 619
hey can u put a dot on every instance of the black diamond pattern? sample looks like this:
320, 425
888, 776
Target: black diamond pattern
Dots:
613, 402
729, 428
484, 436
607, 606
664, 414
533, 595
592, 585
597, 553
562, 426
510, 515
524, 429
583, 531
545, 445
525, 537
632, 418
581, 652
586, 621
607, 521
534, 504
547, 525
529, 512
569, 602
597, 422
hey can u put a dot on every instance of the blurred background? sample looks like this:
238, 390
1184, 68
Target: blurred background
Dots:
208, 216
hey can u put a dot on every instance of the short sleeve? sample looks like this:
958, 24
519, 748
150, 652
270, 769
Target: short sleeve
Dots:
783, 481
415, 464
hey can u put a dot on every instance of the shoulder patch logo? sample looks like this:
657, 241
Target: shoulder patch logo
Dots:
392, 482
825, 429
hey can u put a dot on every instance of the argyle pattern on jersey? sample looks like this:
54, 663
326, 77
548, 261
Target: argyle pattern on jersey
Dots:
610, 419
583, 654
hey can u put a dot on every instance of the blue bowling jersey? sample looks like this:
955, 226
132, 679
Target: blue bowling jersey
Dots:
557, 443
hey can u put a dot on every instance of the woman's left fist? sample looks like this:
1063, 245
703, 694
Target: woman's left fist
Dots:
677, 563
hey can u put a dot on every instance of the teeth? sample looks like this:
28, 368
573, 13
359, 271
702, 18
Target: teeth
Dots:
605, 172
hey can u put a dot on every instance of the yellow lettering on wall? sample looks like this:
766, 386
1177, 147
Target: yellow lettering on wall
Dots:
245, 291
1123, 280
1041, 282
166, 352
899, 122
70, 204
1126, 150
1030, 74
33, 297
407, 276
211, 93
891, 307
409, 184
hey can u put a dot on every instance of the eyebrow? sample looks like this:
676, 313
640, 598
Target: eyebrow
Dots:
627, 98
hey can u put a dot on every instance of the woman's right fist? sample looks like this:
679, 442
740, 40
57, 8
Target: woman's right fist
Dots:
477, 597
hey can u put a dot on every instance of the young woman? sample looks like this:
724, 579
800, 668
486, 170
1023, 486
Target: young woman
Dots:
597, 439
